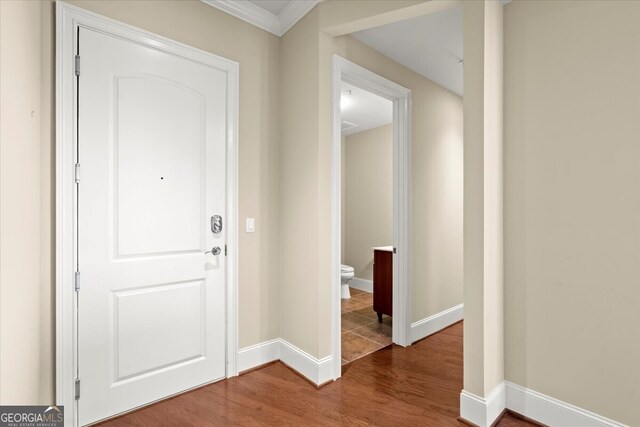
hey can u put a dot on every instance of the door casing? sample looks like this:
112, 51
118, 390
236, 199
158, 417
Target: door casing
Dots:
68, 20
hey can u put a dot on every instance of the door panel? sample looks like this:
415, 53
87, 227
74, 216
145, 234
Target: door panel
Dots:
151, 138
173, 312
158, 166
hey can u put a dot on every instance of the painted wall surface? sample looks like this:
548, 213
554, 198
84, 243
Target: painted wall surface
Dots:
20, 201
368, 196
436, 175
300, 281
483, 200
473, 205
572, 168
493, 194
30, 262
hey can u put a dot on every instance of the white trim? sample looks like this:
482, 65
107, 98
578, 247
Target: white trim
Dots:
361, 284
233, 124
541, 408
258, 354
344, 70
262, 18
482, 411
402, 216
432, 324
68, 19
295, 11
65, 211
318, 371
550, 411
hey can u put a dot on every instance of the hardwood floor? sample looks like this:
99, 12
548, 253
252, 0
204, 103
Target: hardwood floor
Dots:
415, 386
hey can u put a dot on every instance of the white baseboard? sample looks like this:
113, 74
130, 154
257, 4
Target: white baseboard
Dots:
550, 411
259, 354
361, 284
432, 324
318, 371
483, 411
536, 406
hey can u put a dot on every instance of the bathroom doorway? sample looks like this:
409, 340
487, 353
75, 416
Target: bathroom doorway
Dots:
370, 212
367, 222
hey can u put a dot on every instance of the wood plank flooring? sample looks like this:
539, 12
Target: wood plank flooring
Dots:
415, 386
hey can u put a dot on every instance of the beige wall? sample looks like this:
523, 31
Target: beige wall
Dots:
300, 183
493, 193
30, 205
572, 223
20, 202
368, 196
340, 17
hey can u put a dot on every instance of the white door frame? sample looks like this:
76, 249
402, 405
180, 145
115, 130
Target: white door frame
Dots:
68, 20
344, 70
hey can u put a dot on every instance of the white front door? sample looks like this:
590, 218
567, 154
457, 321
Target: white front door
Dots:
151, 149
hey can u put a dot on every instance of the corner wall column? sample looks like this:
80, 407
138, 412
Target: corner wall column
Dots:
482, 399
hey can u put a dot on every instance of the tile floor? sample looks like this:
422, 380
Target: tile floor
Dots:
361, 332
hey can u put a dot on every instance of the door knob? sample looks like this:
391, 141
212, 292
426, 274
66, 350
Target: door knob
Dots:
214, 250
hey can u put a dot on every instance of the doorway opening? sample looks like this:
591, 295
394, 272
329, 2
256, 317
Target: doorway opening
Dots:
365, 329
367, 222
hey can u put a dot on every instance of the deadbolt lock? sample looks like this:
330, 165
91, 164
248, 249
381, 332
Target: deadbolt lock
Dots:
216, 224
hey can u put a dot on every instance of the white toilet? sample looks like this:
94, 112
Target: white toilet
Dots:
346, 274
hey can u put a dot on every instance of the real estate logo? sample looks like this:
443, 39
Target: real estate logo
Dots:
31, 416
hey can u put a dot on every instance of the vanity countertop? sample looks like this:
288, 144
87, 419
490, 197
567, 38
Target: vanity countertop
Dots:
383, 248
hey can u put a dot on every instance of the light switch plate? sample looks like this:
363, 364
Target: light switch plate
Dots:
250, 225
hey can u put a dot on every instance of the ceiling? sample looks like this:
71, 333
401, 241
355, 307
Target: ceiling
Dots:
273, 6
430, 45
363, 109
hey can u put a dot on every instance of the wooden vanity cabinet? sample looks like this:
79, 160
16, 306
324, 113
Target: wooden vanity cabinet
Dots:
382, 283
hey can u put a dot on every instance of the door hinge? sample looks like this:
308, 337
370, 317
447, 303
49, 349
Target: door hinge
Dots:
225, 250
77, 281
77, 393
77, 172
77, 68
394, 250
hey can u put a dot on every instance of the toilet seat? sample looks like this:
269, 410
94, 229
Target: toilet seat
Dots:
346, 268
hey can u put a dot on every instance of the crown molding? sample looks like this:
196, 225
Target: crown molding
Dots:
261, 18
295, 11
